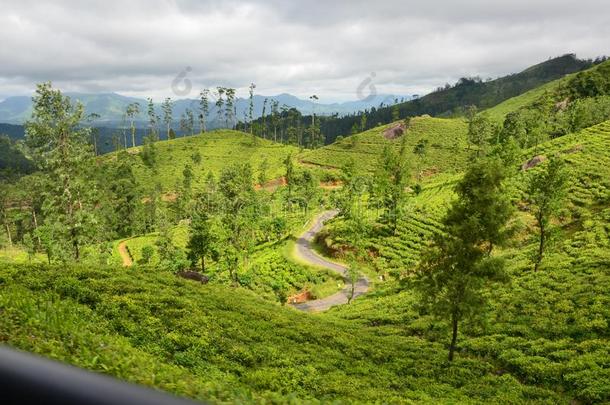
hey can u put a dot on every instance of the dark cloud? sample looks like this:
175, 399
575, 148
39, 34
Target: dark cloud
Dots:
301, 47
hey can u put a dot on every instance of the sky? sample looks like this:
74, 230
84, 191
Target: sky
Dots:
339, 50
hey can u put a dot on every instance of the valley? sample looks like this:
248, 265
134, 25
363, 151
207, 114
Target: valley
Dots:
432, 258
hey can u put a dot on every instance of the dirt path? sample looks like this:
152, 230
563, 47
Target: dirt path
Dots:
127, 262
304, 251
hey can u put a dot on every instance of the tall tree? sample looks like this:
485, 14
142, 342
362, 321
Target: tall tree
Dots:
390, 182
91, 118
220, 91
167, 114
203, 240
230, 107
455, 271
204, 108
152, 120
264, 119
133, 110
59, 145
547, 190
251, 106
420, 151
190, 121
275, 118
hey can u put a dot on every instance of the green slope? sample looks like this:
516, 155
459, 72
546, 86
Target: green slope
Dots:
446, 146
557, 89
549, 327
218, 149
224, 344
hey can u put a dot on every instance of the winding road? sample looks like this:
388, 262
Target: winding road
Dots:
305, 253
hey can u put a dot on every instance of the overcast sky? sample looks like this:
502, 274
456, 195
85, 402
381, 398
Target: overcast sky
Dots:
308, 47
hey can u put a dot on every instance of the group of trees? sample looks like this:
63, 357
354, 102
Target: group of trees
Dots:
286, 125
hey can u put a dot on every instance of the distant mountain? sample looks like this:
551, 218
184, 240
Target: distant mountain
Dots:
111, 107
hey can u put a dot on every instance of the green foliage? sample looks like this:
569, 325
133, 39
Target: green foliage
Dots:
59, 146
547, 191
446, 151
455, 270
226, 345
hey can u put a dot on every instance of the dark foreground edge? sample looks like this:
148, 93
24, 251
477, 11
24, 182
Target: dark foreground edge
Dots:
29, 379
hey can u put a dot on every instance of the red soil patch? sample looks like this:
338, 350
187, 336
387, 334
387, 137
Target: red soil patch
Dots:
272, 185
533, 162
300, 298
395, 131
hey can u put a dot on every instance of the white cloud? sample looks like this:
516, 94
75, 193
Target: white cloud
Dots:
301, 47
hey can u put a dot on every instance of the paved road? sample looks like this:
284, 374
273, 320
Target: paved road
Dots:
307, 254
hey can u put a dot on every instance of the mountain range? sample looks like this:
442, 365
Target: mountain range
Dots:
111, 106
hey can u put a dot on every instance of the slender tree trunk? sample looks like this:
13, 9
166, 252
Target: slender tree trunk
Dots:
35, 223
133, 135
540, 245
454, 327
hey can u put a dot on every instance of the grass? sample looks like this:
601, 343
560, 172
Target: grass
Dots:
218, 149
446, 147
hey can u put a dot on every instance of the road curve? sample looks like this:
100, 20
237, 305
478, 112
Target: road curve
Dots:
304, 252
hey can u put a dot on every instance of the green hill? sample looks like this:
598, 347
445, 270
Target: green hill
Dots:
226, 345
569, 87
451, 100
551, 326
216, 150
446, 146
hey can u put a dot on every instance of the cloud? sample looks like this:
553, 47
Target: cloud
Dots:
301, 47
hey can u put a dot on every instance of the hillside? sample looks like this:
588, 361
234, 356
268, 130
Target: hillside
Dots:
551, 326
569, 86
446, 147
451, 100
225, 345
217, 149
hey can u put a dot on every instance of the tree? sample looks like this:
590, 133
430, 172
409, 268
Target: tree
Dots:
59, 146
167, 114
203, 239
547, 190
352, 277
420, 151
152, 121
133, 110
251, 106
204, 108
264, 119
390, 182
395, 113
190, 121
220, 91
230, 107
480, 132
91, 118
275, 118
456, 269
